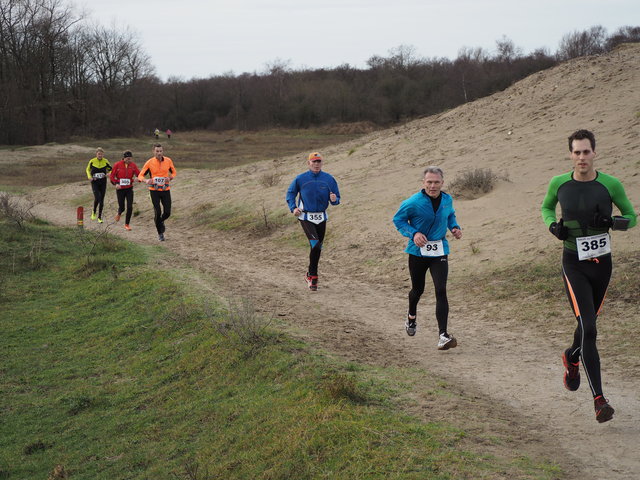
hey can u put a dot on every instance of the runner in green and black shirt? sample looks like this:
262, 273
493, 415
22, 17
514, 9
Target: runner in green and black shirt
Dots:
97, 170
586, 197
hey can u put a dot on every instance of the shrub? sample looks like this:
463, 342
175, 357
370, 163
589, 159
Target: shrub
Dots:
268, 222
14, 210
232, 217
340, 386
474, 183
270, 179
245, 326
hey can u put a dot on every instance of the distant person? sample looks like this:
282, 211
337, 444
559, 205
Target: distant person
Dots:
97, 170
308, 198
161, 172
157, 134
425, 218
169, 132
123, 176
586, 197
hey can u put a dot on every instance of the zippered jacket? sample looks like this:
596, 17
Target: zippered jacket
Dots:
122, 171
96, 166
310, 191
416, 215
158, 169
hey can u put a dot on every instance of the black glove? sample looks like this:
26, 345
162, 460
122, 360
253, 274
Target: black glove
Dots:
559, 230
601, 221
620, 223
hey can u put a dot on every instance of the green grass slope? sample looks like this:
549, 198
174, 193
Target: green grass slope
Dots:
113, 367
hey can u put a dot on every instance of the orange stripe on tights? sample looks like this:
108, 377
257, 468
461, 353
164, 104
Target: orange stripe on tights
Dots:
576, 309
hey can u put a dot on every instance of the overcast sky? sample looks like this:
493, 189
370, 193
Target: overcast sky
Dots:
199, 38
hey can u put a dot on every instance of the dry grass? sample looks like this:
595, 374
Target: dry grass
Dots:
474, 183
33, 167
534, 290
15, 211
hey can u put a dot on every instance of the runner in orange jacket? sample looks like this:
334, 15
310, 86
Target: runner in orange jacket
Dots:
161, 172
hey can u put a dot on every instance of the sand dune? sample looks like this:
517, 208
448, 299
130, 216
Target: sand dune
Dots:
512, 367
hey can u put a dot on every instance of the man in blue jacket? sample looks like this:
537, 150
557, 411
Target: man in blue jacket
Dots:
424, 218
308, 197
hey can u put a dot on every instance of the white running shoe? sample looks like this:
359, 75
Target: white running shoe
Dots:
446, 341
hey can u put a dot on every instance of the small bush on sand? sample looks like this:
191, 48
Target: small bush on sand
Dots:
270, 179
474, 183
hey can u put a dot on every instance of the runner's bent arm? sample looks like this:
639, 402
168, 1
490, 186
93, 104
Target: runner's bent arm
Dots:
452, 221
113, 176
334, 189
292, 193
143, 172
620, 200
401, 221
89, 176
548, 208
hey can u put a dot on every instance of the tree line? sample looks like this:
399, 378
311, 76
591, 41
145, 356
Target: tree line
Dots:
62, 76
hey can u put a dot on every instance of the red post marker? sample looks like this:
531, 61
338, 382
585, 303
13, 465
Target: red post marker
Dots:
80, 215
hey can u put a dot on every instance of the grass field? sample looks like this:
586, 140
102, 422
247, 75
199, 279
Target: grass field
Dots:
115, 368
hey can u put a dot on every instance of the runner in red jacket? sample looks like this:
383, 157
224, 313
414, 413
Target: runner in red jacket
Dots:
123, 175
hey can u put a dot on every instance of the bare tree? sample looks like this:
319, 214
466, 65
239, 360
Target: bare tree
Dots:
33, 36
468, 63
507, 51
580, 44
624, 34
114, 58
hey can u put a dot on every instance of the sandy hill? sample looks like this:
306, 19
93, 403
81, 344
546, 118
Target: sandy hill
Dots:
519, 133
508, 360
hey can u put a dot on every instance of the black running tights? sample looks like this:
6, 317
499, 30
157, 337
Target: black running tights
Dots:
315, 234
159, 198
99, 188
586, 284
439, 269
125, 194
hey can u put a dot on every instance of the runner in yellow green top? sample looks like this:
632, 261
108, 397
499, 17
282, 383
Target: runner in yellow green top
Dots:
161, 172
97, 170
586, 198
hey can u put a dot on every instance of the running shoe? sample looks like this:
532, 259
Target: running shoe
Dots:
446, 341
93, 215
161, 237
127, 227
410, 326
312, 282
99, 220
604, 411
571, 372
117, 219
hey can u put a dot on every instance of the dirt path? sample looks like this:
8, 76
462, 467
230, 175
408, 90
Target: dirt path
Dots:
511, 370
515, 373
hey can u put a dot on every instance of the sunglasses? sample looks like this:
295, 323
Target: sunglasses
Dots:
316, 161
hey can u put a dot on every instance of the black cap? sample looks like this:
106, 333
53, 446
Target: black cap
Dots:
127, 154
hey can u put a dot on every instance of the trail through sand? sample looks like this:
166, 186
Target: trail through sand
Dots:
510, 367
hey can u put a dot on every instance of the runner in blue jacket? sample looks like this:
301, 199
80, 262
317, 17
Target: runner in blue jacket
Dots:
308, 198
425, 218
